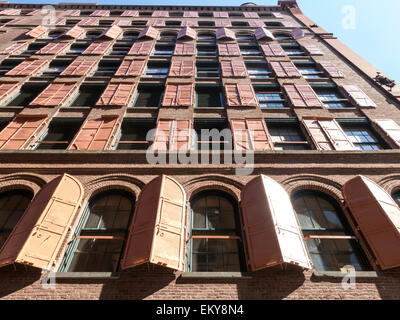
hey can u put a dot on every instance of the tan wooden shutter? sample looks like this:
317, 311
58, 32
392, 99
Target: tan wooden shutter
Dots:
34, 12
19, 131
79, 68
117, 94
189, 23
141, 48
331, 69
238, 95
88, 22
285, 69
391, 128
7, 89
41, 231
251, 15
178, 95
359, 96
302, 96
270, 225
55, 94
131, 68
312, 49
112, 33
95, 134
160, 14
220, 14
277, 15
157, 232
327, 134
190, 14
187, 32
181, 68
73, 33
10, 12
251, 134
37, 32
98, 48
223, 23
54, 48
224, 33
149, 32
156, 23
172, 135
73, 13
273, 50
377, 216
121, 22
28, 67
288, 24
100, 13
228, 49
233, 68
162, 135
130, 13
185, 49
262, 33
256, 23
14, 48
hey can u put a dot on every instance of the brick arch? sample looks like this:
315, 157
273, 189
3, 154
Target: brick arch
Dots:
26, 181
390, 183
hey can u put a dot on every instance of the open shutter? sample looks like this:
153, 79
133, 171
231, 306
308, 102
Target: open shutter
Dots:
313, 50
73, 13
181, 68
54, 48
7, 89
88, 22
302, 95
189, 23
94, 134
377, 216
327, 134
34, 12
288, 24
160, 14
149, 32
130, 68
262, 33
273, 50
220, 14
157, 233
173, 135
224, 33
228, 49
233, 68
285, 69
185, 49
223, 23
240, 135
270, 225
298, 33
251, 15
256, 23
19, 131
55, 94
40, 233
73, 33
116, 94
391, 128
121, 22
190, 14
130, 13
112, 33
37, 32
98, 48
60, 22
187, 32
358, 96
28, 67
141, 48
14, 48
178, 95
250, 134
156, 23
100, 13
10, 12
79, 68
331, 69
277, 15
238, 95
162, 135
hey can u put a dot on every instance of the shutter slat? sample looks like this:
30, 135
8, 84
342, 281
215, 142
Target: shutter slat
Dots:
185, 49
233, 68
262, 33
28, 67
156, 23
74, 33
256, 23
121, 22
391, 128
331, 69
55, 94
14, 48
88, 22
112, 33
100, 13
223, 23
189, 23
228, 49
187, 32
181, 68
79, 68
54, 48
178, 95
132, 68
130, 13
273, 50
302, 96
251, 15
190, 14
160, 14
117, 94
224, 33
285, 69
240, 95
37, 32
359, 96
98, 48
141, 48
220, 14
149, 32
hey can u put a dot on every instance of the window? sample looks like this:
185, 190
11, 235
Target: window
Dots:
215, 241
140, 23
293, 50
12, 205
93, 34
157, 69
235, 15
167, 36
206, 50
101, 234
56, 67
258, 70
8, 64
27, 93
77, 48
244, 36
133, 135
70, 22
59, 134
145, 13
206, 140
163, 50
209, 96
55, 34
88, 95
173, 24
396, 197
270, 96
206, 23
330, 242
105, 22
205, 14
205, 37
121, 48
175, 14
240, 24
362, 136
207, 69
275, 24
309, 70
130, 35
107, 68
282, 37
331, 97
148, 95
33, 47
286, 135
252, 50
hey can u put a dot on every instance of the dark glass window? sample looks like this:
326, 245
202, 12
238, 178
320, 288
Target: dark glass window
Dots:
206, 50
27, 93
33, 47
293, 50
133, 135
163, 50
209, 140
205, 36
287, 136
258, 70
138, 23
207, 69
107, 68
209, 96
206, 23
362, 137
8, 64
173, 24
55, 34
93, 34
250, 50
167, 36
309, 71
77, 48
148, 96
56, 67
282, 37
240, 24
88, 95
121, 48
157, 69
244, 36
396, 197
130, 35
331, 97
105, 22
270, 96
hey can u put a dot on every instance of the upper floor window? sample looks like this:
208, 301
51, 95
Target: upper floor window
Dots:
396, 197
134, 134
239, 24
157, 69
206, 23
270, 96
207, 69
250, 50
148, 95
205, 36
207, 139
293, 50
283, 37
163, 50
167, 36
93, 34
258, 70
331, 97
56, 67
27, 93
309, 70
206, 50
244, 37
362, 136
88, 94
130, 35
287, 135
209, 96
55, 34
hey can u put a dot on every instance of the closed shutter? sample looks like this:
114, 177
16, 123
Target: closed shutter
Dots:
79, 68
42, 230
14, 48
100, 13
327, 134
331, 69
130, 13
37, 32
10, 12
7, 89
160, 14
185, 49
358, 96
189, 23
255, 23
121, 22
378, 218
95, 134
262, 33
73, 13
54, 95
74, 33
187, 32
173, 135
273, 50
251, 134
220, 14
157, 232
112, 33
224, 33
223, 23
156, 23
277, 15
285, 69
181, 68
19, 131
88, 22
270, 225
391, 128
233, 68
162, 135
251, 15
54, 48
149, 32
98, 48
116, 94
190, 14
240, 135
238, 95
141, 48
302, 96
228, 49
313, 49
130, 68
178, 95
28, 67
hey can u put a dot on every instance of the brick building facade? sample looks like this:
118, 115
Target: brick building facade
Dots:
82, 85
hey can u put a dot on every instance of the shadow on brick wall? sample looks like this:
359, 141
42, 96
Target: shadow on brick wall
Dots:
19, 280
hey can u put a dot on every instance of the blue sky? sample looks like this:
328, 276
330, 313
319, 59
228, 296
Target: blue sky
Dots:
373, 33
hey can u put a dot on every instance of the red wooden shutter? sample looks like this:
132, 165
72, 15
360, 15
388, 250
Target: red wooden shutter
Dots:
233, 68
7, 89
73, 13
37, 32
88, 22
285, 69
172, 135
14, 21
19, 131
79, 68
141, 48
273, 50
160, 14
251, 134
54, 95
377, 216
28, 67
185, 49
40, 233
54, 48
331, 69
100, 13
262, 33
228, 49
74, 33
358, 96
240, 135
327, 134
190, 14
157, 232
224, 33
277, 15
130, 68
313, 49
162, 135
189, 23
223, 23
187, 32
156, 23
240, 95
256, 23
34, 12
15, 48
178, 95
149, 32
272, 232
112, 33
181, 68
98, 48
94, 134
251, 15
391, 128
130, 13
121, 22
60, 22
10, 12
302, 96
117, 94
220, 14
298, 33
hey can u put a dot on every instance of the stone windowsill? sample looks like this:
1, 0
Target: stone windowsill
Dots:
87, 275
339, 274
216, 275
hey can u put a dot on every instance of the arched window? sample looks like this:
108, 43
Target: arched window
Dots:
101, 233
330, 241
396, 197
214, 232
12, 206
